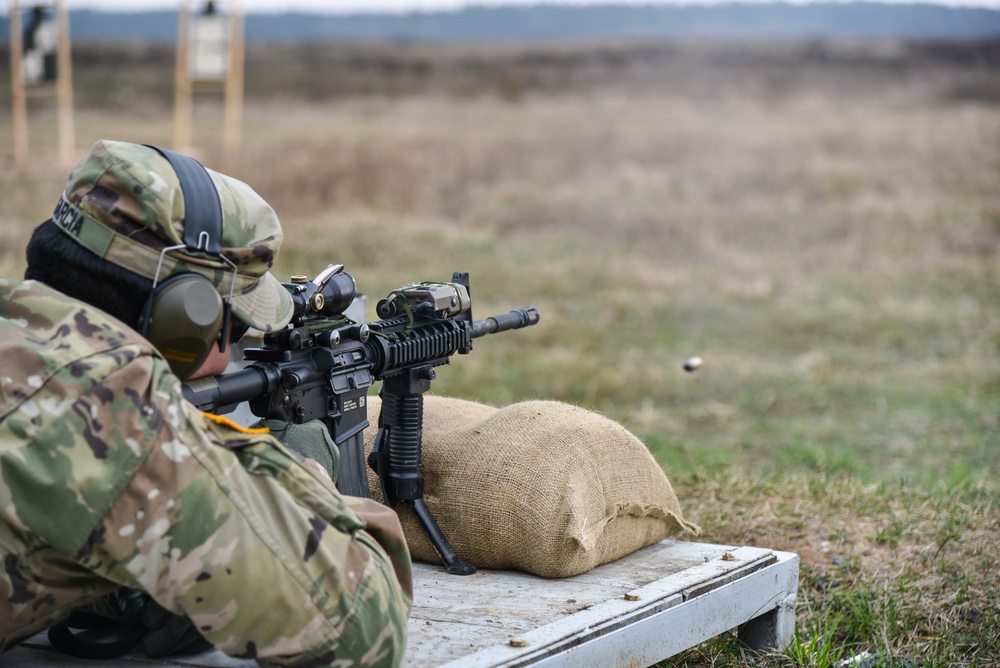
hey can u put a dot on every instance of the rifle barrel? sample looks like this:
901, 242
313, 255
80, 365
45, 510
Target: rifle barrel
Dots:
516, 319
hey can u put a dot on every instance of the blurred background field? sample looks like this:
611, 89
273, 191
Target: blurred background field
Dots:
818, 220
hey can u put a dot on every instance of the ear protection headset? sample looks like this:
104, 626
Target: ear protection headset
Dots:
185, 316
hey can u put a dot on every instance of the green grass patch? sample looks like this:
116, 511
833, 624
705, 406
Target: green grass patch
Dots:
897, 575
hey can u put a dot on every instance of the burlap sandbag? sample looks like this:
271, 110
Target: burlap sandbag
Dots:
538, 486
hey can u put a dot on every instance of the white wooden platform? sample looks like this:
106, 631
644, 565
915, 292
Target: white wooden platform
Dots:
634, 612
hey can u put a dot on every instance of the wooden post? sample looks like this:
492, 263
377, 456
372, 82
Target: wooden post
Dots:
62, 88
183, 108
19, 112
233, 122
222, 75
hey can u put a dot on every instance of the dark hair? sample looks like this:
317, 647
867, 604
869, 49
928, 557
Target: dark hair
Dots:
61, 263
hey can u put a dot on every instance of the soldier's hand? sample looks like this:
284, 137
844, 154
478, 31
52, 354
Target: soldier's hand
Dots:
311, 439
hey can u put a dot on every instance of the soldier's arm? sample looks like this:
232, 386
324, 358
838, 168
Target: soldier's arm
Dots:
269, 563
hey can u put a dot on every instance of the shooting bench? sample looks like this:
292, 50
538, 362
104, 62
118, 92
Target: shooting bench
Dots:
633, 612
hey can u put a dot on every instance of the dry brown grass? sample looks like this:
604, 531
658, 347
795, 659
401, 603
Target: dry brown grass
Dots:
819, 221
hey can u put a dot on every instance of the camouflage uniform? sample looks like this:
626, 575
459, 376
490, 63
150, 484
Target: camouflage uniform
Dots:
109, 478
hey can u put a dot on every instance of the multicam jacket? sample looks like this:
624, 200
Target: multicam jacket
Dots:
109, 478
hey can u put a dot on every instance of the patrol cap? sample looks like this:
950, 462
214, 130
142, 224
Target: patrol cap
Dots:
123, 202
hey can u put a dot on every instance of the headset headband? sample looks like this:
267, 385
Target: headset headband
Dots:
202, 206
202, 222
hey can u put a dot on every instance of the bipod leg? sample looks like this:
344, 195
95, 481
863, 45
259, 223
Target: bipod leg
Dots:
452, 564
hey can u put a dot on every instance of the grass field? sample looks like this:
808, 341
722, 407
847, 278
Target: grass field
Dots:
819, 221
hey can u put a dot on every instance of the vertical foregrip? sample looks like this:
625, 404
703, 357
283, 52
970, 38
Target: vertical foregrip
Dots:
402, 417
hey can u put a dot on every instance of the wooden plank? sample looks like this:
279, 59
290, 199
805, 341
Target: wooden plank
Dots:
455, 617
39, 653
633, 612
614, 635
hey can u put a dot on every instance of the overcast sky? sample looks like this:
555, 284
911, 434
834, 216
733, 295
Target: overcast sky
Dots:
395, 5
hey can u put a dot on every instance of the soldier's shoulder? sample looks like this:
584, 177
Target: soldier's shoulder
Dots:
43, 332
41, 311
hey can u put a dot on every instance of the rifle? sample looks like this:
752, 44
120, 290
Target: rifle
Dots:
321, 365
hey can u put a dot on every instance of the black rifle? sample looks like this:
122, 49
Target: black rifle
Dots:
322, 364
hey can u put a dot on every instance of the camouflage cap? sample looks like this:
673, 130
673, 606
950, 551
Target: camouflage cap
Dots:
123, 202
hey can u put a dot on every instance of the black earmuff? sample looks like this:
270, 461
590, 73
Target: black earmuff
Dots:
185, 316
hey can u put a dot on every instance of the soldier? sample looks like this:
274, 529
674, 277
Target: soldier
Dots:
109, 479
